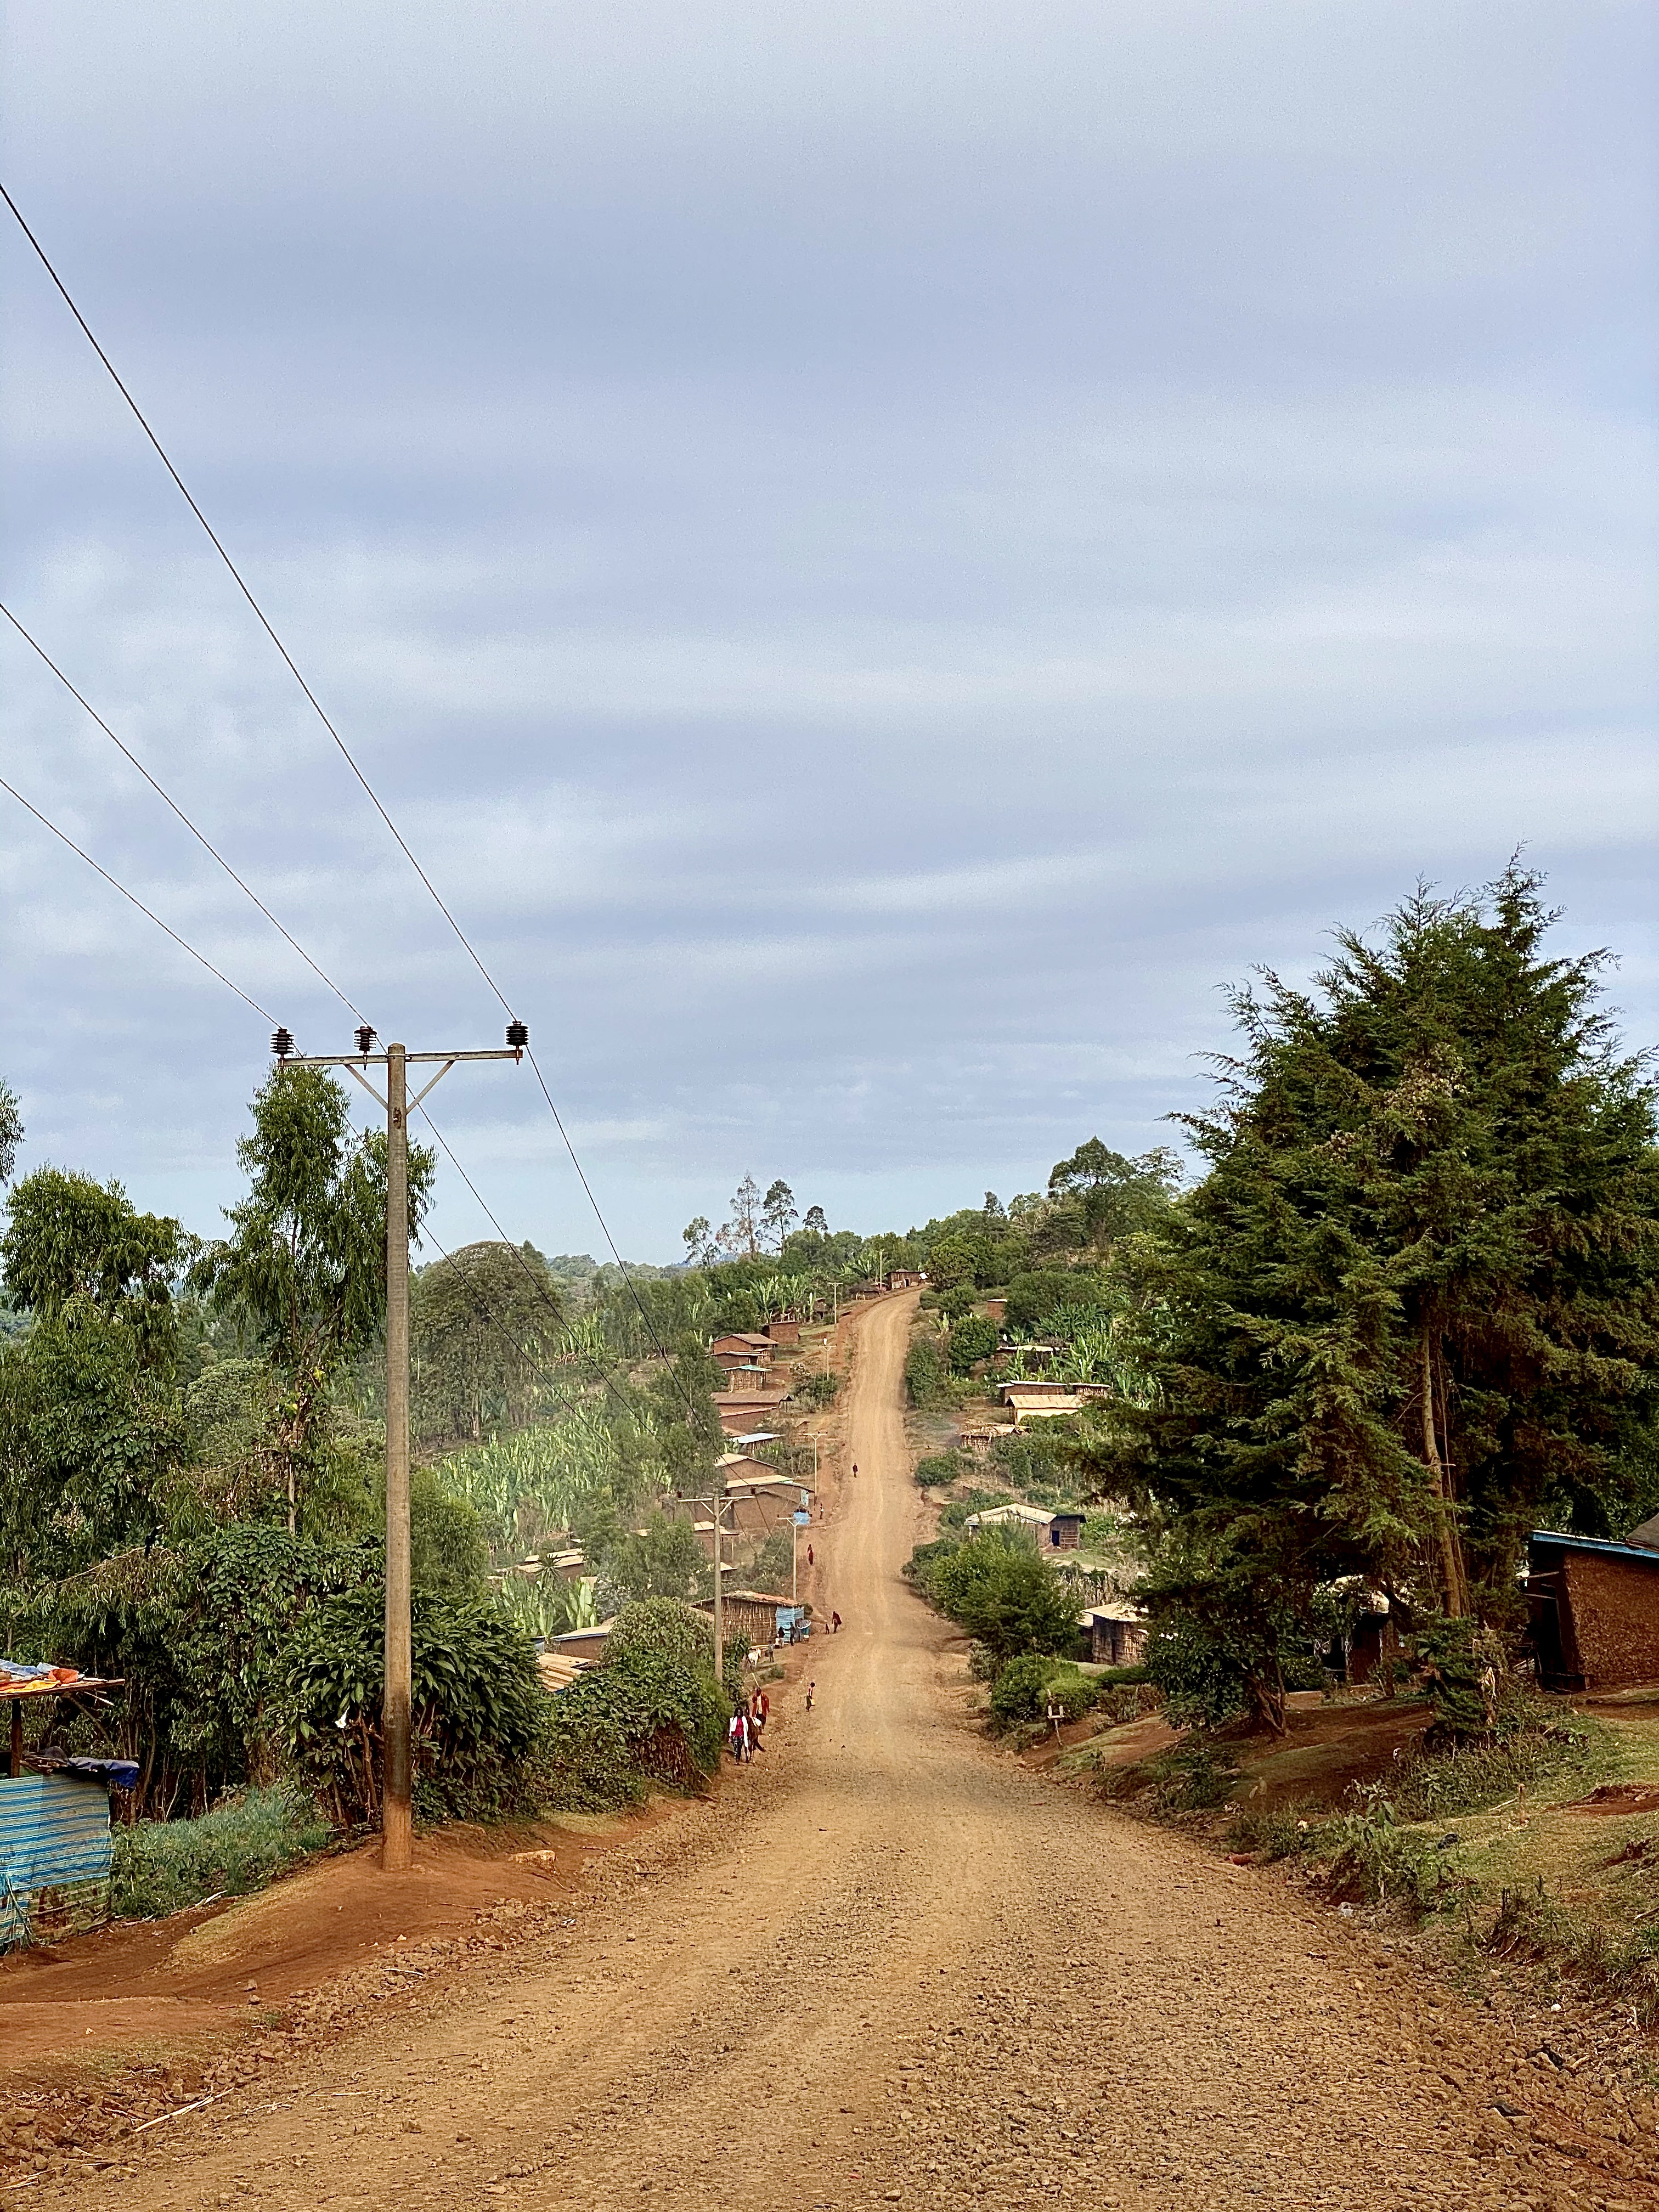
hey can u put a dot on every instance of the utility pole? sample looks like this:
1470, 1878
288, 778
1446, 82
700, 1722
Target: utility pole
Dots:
396, 1788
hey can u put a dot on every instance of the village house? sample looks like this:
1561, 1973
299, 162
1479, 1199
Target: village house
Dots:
783, 1331
1595, 1608
1114, 1634
1038, 1400
742, 1411
1058, 1532
906, 1278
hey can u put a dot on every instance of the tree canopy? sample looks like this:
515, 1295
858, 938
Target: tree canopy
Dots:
1414, 1305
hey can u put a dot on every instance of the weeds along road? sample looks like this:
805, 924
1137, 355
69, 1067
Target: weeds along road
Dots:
890, 1965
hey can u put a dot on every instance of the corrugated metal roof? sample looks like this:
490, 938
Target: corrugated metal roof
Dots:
54, 1834
1594, 1544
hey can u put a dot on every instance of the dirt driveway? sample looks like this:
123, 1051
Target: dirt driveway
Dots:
893, 1966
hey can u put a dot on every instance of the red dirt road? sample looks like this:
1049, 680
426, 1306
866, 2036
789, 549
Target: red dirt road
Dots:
892, 1965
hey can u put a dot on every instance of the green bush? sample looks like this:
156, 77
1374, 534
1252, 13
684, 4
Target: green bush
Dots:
1377, 1861
926, 1381
954, 1303
644, 1717
1017, 1694
664, 1628
478, 1707
1535, 1740
940, 1470
162, 1866
817, 1389
1034, 1298
972, 1339
1004, 1593
1194, 1778
925, 1557
1027, 1687
1459, 1664
1278, 1834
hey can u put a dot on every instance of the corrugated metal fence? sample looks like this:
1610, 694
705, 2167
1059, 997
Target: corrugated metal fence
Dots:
55, 1853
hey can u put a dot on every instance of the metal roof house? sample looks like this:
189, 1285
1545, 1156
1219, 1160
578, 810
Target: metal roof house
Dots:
1594, 1610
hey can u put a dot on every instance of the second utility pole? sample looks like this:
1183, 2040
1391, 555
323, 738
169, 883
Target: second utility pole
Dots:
397, 1719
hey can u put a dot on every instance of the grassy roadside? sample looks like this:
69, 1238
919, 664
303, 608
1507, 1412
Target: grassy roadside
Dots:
1541, 1850
164, 1866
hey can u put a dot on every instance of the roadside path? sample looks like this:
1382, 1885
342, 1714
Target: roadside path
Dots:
890, 1965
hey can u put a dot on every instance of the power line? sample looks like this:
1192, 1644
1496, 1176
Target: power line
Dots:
168, 800
64, 838
345, 752
242, 586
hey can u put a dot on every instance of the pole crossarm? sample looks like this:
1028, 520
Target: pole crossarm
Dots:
355, 1059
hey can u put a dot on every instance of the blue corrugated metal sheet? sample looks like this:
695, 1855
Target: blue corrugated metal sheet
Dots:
55, 1851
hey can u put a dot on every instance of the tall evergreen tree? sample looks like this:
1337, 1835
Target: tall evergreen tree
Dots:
1414, 1306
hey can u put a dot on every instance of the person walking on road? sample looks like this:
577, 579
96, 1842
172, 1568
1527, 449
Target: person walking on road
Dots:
810, 1687
835, 1624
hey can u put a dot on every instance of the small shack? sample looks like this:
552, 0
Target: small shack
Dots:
56, 1844
1011, 1517
1593, 1609
1037, 1401
783, 1331
1116, 1635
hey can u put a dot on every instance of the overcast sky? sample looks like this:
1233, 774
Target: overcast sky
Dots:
880, 555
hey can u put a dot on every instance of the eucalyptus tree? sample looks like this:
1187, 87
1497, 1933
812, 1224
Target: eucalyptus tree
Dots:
304, 1267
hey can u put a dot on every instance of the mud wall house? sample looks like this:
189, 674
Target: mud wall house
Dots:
1594, 1608
743, 1348
783, 1331
742, 1412
1113, 1636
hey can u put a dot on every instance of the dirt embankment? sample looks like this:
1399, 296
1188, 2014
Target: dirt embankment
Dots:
891, 1965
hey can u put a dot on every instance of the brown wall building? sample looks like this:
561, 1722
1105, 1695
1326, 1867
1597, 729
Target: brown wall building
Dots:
1595, 1608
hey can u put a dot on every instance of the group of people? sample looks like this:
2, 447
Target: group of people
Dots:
748, 1726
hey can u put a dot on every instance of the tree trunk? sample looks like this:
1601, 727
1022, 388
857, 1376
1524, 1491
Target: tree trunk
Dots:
1451, 1552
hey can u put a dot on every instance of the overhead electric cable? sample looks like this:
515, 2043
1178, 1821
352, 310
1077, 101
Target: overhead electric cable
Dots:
64, 838
241, 585
168, 800
345, 752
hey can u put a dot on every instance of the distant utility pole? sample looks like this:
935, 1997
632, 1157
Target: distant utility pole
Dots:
716, 1505
396, 1789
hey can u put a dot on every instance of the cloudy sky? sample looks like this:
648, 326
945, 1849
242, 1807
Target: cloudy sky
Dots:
880, 555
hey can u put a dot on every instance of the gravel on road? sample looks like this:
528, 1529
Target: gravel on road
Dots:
890, 1965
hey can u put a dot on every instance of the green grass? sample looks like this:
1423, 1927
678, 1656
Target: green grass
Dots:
162, 1866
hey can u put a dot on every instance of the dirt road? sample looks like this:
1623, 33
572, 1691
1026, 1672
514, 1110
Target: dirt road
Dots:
890, 1965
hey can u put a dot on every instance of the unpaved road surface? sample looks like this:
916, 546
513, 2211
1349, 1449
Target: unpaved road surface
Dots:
890, 1965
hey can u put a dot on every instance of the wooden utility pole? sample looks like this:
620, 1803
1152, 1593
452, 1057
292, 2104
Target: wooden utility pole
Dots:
396, 1789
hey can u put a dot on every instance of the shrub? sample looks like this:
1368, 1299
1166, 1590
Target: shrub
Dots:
1534, 1742
1376, 1862
1032, 1298
972, 1339
1278, 1834
940, 1470
1026, 1688
1018, 1692
646, 1716
926, 1380
162, 1866
1005, 1594
817, 1389
955, 1302
665, 1628
478, 1706
1458, 1662
1194, 1778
